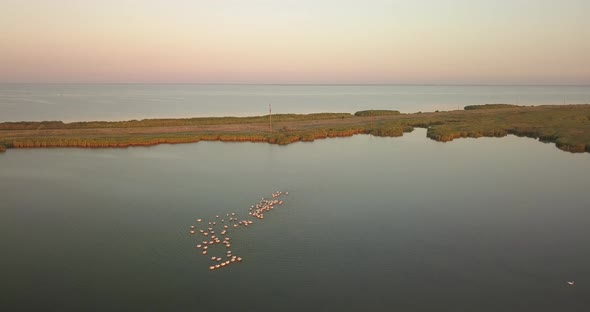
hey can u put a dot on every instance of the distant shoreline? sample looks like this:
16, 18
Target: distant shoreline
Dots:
568, 126
302, 84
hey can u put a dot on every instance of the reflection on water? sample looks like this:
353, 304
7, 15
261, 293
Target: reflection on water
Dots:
372, 223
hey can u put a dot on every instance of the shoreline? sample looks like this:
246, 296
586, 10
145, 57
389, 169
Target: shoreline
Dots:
568, 126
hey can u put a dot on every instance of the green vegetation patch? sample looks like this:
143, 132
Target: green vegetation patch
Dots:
490, 106
382, 112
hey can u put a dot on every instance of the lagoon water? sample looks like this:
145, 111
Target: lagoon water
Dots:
83, 102
374, 224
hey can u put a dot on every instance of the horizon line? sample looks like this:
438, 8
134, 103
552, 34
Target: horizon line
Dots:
297, 84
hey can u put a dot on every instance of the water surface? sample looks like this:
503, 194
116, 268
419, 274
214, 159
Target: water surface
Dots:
376, 224
77, 102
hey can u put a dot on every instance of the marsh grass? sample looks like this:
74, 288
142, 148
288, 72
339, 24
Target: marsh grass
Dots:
568, 126
366, 113
490, 106
180, 122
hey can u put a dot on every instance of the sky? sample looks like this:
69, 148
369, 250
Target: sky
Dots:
295, 41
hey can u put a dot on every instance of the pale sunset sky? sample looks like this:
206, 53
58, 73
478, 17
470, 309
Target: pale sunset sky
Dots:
296, 41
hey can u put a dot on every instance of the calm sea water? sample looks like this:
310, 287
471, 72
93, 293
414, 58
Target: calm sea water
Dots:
373, 224
73, 102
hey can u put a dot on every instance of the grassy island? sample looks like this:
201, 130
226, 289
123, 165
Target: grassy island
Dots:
568, 126
489, 106
376, 113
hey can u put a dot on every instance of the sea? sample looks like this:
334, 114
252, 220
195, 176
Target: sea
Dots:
110, 102
369, 223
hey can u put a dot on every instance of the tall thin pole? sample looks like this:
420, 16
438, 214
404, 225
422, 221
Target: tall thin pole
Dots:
270, 117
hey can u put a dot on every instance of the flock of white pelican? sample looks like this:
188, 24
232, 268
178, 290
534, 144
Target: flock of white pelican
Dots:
229, 222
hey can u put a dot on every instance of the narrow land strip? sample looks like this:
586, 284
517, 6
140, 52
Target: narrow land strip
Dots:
568, 126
